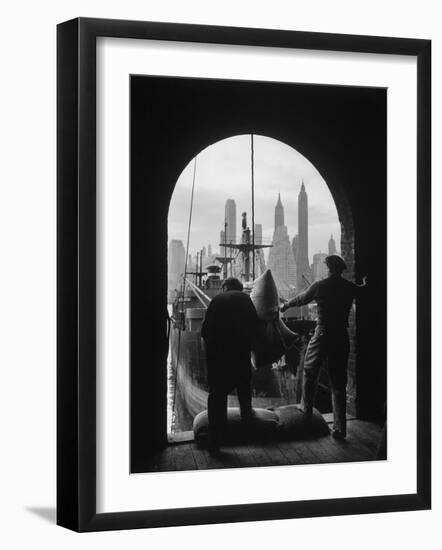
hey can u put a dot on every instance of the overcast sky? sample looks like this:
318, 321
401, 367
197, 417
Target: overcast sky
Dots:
223, 172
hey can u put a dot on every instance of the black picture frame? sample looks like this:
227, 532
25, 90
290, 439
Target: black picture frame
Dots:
76, 274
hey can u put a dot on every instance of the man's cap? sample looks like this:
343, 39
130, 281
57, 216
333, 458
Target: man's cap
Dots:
335, 263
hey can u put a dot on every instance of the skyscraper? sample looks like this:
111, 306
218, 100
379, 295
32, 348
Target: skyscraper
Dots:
230, 220
302, 261
331, 245
281, 260
258, 233
319, 269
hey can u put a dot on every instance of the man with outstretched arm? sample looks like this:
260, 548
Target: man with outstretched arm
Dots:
334, 297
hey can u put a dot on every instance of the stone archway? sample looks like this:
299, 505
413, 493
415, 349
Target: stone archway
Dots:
341, 130
347, 243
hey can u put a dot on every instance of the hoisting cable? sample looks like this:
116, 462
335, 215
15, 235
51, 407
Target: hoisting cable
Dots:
252, 159
183, 289
188, 228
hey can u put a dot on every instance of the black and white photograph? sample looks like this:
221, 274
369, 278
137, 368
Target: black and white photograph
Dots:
275, 342
243, 250
220, 253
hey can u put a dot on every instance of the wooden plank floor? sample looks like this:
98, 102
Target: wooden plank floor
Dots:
361, 445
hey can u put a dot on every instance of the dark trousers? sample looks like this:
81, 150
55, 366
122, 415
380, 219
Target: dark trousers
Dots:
333, 346
219, 389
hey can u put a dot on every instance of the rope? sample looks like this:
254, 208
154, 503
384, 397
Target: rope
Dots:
188, 227
199, 294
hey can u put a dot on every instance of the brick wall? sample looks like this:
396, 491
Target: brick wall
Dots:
348, 254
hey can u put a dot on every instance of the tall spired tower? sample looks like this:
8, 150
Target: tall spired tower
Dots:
302, 261
279, 213
281, 260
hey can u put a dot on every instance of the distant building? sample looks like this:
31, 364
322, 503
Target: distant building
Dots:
209, 250
319, 269
258, 233
176, 266
281, 260
230, 220
302, 260
331, 245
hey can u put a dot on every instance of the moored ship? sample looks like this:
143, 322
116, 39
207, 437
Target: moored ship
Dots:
275, 382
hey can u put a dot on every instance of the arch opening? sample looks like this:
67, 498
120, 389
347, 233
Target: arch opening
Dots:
298, 215
341, 130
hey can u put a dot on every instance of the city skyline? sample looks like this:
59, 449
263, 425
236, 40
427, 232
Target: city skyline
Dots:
288, 258
223, 172
209, 249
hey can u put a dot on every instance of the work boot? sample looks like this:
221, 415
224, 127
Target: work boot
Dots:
337, 434
249, 416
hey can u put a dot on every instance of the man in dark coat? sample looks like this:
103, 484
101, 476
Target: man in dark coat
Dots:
334, 297
229, 331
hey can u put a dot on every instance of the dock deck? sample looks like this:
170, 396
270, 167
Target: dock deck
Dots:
361, 445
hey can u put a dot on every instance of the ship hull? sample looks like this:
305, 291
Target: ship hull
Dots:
271, 387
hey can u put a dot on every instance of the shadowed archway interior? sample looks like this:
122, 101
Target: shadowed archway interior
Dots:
341, 130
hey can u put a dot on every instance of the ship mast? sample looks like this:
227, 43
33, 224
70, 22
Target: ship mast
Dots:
199, 273
247, 244
252, 159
